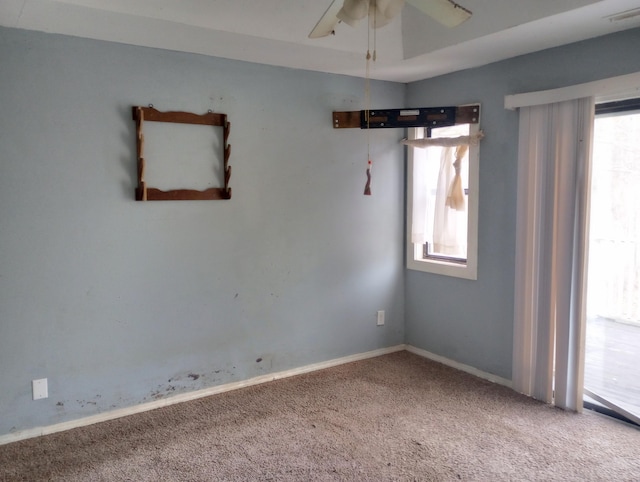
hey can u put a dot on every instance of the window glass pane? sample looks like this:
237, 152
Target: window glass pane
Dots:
445, 228
431, 177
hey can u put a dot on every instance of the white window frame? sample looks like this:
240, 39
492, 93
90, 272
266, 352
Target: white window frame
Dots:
415, 260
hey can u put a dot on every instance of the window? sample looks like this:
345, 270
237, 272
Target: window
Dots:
442, 228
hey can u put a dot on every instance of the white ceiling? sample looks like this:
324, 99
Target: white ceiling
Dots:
274, 32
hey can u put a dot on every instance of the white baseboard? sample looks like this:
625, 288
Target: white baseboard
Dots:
460, 366
185, 397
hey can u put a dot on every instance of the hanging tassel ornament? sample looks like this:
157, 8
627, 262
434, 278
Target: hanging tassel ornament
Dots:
367, 99
367, 95
367, 187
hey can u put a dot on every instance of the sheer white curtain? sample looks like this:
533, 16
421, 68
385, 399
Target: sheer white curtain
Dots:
554, 162
439, 214
449, 222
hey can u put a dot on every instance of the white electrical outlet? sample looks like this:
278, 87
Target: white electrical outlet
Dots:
381, 318
40, 388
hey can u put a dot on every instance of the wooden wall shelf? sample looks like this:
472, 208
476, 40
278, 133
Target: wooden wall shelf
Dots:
430, 117
149, 114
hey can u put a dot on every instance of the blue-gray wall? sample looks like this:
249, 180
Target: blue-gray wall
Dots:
119, 302
472, 321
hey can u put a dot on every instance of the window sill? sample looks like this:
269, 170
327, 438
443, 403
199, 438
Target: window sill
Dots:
457, 270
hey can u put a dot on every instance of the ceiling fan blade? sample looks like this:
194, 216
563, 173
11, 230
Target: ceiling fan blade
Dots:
447, 12
328, 21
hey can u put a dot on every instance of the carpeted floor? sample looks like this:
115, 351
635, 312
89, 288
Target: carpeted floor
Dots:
395, 417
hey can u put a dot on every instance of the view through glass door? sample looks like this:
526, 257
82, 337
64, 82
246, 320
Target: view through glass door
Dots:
612, 354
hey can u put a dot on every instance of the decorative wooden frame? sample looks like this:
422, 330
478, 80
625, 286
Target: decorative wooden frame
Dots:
145, 193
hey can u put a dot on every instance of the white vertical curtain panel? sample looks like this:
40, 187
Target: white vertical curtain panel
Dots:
554, 165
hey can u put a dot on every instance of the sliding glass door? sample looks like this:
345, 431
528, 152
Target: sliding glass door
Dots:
612, 352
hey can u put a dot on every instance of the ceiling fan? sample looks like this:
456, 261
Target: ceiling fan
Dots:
381, 12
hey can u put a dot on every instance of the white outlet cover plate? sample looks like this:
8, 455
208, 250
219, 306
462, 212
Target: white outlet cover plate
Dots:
40, 388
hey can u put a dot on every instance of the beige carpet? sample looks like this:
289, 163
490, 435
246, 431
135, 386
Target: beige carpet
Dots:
396, 417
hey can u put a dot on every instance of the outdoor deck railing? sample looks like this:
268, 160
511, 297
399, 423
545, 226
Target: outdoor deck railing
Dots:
614, 279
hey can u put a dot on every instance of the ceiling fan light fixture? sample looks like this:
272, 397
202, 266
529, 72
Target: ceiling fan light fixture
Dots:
381, 12
377, 19
353, 11
388, 8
